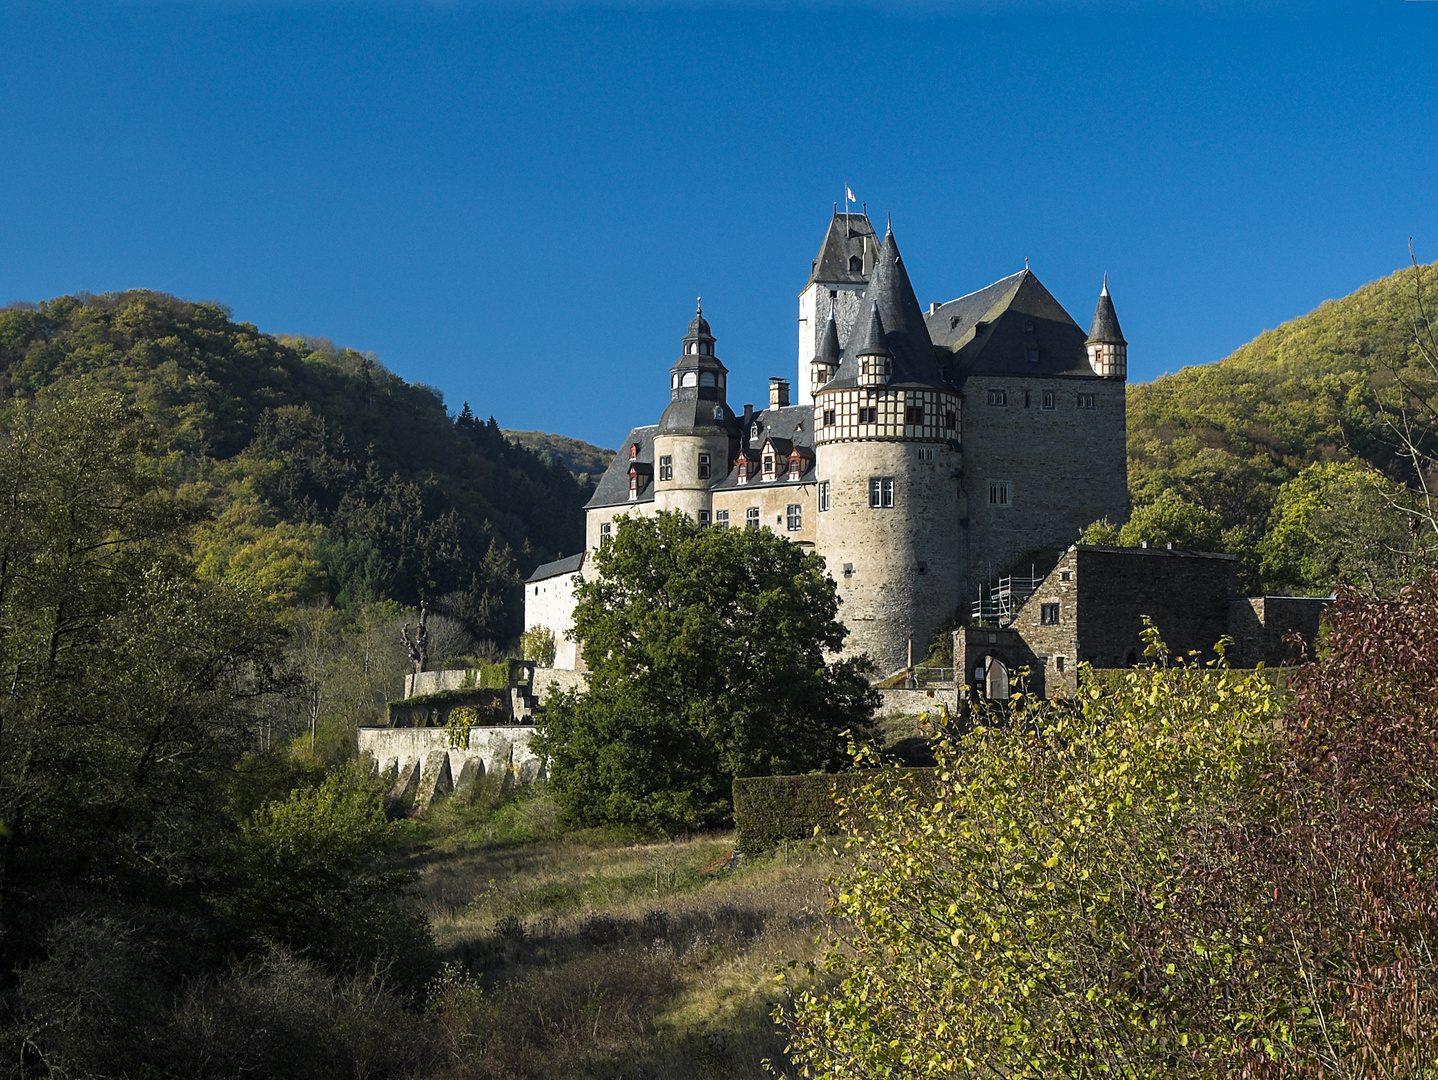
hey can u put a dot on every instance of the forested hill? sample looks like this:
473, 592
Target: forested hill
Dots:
1227, 435
327, 474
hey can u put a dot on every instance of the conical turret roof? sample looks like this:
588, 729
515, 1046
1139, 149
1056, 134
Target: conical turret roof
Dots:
849, 237
872, 343
829, 345
1105, 329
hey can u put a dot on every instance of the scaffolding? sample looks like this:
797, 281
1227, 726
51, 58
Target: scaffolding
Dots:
1003, 601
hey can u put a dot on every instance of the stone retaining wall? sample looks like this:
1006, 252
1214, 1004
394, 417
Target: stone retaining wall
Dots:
423, 766
903, 702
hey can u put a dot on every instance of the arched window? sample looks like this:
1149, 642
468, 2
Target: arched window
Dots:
690, 378
706, 378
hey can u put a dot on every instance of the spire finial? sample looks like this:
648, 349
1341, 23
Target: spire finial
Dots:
1105, 284
1026, 262
889, 227
699, 305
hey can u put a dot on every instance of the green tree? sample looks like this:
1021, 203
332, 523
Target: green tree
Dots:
127, 679
1172, 519
1340, 523
707, 657
311, 880
538, 645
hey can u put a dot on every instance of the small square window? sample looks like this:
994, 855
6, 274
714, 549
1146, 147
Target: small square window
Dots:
1048, 399
704, 519
751, 518
1049, 614
913, 415
828, 417
1066, 575
999, 398
1033, 354
666, 467
794, 517
606, 534
998, 493
868, 414
703, 466
823, 495
848, 569
951, 420
721, 519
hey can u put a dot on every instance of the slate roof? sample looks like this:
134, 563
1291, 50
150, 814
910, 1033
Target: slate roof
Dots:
829, 352
995, 331
613, 487
906, 335
1105, 329
567, 565
846, 237
792, 425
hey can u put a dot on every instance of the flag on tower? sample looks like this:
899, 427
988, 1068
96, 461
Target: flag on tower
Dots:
849, 196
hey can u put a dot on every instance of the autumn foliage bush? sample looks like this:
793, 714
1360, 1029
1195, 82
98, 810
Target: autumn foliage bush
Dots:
1180, 876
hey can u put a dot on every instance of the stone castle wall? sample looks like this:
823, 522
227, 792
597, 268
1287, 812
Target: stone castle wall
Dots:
1065, 467
772, 502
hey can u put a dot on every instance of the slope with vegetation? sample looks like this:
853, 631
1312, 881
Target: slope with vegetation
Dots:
1332, 396
326, 475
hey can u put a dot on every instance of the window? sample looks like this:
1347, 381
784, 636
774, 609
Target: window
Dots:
1033, 354
823, 495
721, 519
1048, 399
706, 378
1049, 614
999, 398
1085, 401
794, 517
606, 534
856, 264
690, 378
768, 466
703, 466
926, 453
1059, 663
796, 465
848, 569
951, 420
1066, 575
913, 414
881, 492
828, 417
633, 485
751, 518
666, 467
704, 519
1026, 399
998, 493
868, 414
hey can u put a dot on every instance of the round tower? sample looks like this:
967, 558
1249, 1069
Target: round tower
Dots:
697, 435
887, 457
1107, 350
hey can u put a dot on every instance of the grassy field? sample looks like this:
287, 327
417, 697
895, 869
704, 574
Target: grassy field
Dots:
595, 954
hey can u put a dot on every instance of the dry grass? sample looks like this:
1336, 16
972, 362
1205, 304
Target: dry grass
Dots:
599, 957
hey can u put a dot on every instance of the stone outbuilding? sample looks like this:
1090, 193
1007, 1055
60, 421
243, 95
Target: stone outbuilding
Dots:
1091, 608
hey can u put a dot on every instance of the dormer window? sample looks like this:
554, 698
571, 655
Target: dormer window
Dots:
741, 471
754, 433
796, 465
856, 264
768, 466
633, 451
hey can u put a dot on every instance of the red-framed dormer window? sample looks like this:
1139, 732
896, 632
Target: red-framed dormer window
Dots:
768, 466
796, 464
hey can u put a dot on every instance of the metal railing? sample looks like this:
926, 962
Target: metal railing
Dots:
1004, 600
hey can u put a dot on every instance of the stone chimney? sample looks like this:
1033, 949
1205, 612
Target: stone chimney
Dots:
778, 393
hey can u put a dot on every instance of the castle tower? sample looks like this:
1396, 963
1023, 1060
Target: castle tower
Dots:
888, 464
1107, 350
837, 279
697, 435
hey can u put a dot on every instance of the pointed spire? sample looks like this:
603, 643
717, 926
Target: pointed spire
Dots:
873, 341
829, 346
1105, 329
699, 303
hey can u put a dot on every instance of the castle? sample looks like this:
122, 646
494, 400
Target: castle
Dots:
925, 451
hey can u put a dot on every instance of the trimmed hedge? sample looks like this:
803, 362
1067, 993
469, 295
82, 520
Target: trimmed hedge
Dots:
432, 710
771, 809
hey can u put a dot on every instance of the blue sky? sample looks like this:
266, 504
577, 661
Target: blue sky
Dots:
518, 205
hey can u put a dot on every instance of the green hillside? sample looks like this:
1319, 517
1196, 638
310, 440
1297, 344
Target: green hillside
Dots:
585, 460
1216, 451
1306, 392
328, 476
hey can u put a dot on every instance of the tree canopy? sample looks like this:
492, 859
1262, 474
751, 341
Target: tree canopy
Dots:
708, 655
